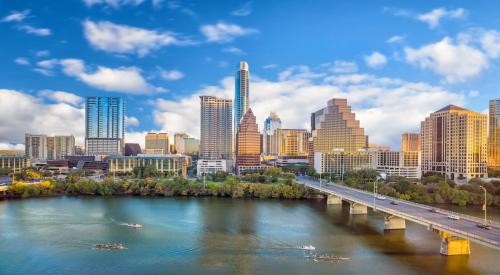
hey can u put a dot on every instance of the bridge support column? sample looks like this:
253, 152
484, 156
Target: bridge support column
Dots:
392, 222
332, 199
357, 209
452, 245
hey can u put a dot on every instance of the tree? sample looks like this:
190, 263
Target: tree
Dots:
273, 171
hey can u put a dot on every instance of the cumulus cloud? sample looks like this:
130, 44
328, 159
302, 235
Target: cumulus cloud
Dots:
396, 39
61, 97
34, 116
490, 42
244, 10
224, 32
171, 75
456, 62
115, 38
22, 61
342, 67
131, 121
16, 16
42, 53
433, 17
375, 60
35, 31
376, 101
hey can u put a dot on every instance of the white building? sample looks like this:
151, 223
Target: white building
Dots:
395, 163
206, 166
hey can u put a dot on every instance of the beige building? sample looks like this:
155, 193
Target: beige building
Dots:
36, 147
290, 143
14, 162
494, 135
339, 143
410, 142
173, 165
156, 143
216, 132
247, 142
60, 146
454, 143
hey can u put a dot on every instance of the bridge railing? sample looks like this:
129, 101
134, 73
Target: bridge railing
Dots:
423, 206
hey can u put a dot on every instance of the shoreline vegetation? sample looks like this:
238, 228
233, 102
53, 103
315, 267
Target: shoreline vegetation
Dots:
273, 183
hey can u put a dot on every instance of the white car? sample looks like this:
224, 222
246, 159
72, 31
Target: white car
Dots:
453, 217
380, 198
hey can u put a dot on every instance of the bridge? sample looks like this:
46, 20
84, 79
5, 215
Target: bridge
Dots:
3, 191
456, 235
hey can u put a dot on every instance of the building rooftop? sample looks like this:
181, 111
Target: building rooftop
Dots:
452, 107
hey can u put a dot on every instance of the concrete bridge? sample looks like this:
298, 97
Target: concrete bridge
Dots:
3, 191
456, 235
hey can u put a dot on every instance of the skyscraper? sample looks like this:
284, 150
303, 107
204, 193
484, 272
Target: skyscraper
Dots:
410, 142
494, 135
36, 146
156, 143
104, 126
61, 146
454, 143
178, 140
242, 92
339, 143
290, 143
216, 131
247, 142
271, 123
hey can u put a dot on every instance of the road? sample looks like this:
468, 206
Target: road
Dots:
465, 227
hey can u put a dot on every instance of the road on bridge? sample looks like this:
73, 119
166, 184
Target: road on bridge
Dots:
465, 227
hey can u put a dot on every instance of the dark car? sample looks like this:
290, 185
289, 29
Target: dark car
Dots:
433, 210
394, 202
484, 226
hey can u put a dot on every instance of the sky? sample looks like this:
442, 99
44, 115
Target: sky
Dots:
395, 61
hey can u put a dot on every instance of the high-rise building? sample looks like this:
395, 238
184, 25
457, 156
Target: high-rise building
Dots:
179, 140
189, 146
494, 135
104, 126
290, 143
156, 143
216, 128
271, 123
454, 143
247, 142
339, 143
36, 147
242, 92
410, 142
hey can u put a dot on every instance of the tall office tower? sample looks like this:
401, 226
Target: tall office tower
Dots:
494, 135
179, 140
189, 146
60, 146
216, 128
156, 143
338, 139
104, 126
290, 143
247, 142
410, 142
36, 146
454, 143
241, 95
271, 123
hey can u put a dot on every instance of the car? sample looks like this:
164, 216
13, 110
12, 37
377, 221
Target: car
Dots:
380, 198
484, 226
433, 210
453, 217
394, 202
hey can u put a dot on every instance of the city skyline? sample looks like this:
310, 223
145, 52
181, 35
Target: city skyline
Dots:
400, 65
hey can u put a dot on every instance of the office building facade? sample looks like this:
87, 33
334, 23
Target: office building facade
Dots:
156, 143
454, 143
397, 163
247, 142
494, 135
216, 132
173, 165
241, 93
410, 142
271, 123
35, 147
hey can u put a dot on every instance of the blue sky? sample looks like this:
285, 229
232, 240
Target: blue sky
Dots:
394, 61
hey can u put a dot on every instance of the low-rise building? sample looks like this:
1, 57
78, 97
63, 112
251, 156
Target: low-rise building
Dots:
166, 164
396, 163
339, 162
14, 162
208, 166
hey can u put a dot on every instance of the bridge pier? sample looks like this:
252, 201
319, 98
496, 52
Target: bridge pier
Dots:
332, 199
392, 222
357, 208
452, 245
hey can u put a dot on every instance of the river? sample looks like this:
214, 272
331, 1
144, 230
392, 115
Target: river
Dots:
217, 236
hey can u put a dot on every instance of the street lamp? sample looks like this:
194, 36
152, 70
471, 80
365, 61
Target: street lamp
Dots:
381, 176
319, 178
484, 205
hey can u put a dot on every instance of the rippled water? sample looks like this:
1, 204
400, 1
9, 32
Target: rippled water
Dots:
216, 236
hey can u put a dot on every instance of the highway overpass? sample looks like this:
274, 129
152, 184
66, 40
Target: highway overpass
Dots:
455, 234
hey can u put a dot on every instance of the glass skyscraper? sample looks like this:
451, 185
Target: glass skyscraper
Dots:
494, 135
242, 92
104, 125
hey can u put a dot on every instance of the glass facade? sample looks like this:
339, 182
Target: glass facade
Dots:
242, 92
216, 132
248, 141
494, 135
165, 164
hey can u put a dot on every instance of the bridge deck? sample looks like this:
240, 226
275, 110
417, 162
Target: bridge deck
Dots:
465, 227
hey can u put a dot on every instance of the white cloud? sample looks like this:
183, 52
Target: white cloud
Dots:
342, 67
396, 39
270, 66
433, 17
375, 100
113, 3
233, 50
61, 97
223, 32
34, 116
35, 31
11, 146
42, 53
115, 38
490, 42
48, 64
473, 93
455, 62
16, 16
244, 10
43, 71
131, 121
171, 75
375, 60
121, 79
22, 61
